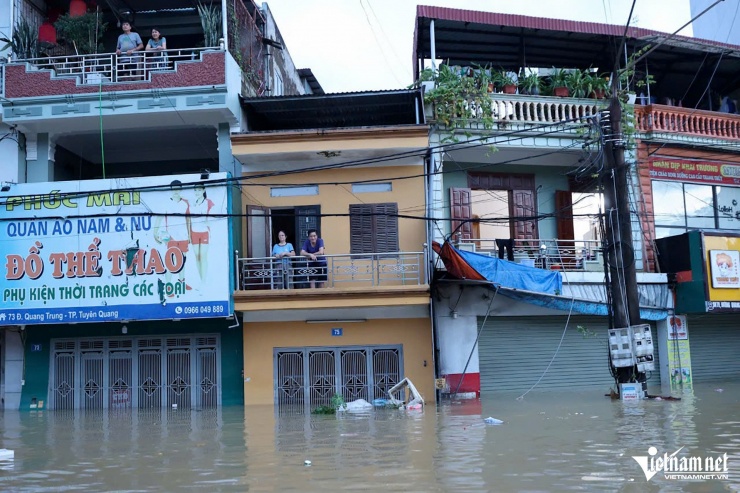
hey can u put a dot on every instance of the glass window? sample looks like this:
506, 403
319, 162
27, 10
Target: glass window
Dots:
728, 207
663, 232
294, 191
372, 187
699, 201
668, 199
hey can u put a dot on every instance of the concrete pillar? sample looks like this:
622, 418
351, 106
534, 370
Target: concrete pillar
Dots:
12, 359
456, 336
39, 158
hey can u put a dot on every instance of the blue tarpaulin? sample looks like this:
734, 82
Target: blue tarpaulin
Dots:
513, 275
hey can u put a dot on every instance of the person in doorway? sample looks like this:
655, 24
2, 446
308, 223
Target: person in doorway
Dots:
313, 249
129, 43
200, 229
283, 250
156, 46
173, 228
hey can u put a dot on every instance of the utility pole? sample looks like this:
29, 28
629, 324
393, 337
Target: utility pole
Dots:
619, 252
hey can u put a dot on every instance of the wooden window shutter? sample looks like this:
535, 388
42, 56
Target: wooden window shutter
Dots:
564, 214
460, 209
523, 206
373, 228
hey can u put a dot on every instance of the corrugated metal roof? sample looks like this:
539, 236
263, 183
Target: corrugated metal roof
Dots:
682, 67
340, 110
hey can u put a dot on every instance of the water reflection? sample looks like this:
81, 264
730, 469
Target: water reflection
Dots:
579, 441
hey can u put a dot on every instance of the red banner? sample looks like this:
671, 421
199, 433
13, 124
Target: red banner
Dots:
694, 171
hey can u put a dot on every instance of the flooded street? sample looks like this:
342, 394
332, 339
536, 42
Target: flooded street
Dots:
549, 442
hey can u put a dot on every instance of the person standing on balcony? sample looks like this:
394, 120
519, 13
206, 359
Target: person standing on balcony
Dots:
313, 249
283, 250
157, 44
129, 43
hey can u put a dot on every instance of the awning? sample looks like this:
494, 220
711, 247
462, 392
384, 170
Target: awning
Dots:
526, 284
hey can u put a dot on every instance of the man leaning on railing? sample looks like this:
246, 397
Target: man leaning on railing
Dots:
129, 43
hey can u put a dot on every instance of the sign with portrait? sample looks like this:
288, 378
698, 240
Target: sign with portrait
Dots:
723, 265
149, 248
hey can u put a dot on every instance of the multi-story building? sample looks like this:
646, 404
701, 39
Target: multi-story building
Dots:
351, 168
118, 212
541, 187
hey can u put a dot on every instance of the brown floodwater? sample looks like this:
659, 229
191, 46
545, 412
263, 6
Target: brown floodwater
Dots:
549, 441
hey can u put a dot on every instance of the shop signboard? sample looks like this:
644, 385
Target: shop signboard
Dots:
153, 248
683, 170
722, 270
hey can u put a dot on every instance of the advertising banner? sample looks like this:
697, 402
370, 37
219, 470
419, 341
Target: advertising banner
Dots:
679, 353
722, 267
153, 248
708, 172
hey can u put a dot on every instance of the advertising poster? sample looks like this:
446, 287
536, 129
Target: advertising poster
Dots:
153, 248
722, 271
679, 354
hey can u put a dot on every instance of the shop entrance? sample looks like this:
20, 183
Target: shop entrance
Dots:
143, 372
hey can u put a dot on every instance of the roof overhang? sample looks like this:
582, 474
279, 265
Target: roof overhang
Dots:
682, 65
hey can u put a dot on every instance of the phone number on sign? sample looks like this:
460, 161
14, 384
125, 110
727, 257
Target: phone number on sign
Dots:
193, 310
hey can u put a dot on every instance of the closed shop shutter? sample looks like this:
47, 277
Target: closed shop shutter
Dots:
515, 351
714, 341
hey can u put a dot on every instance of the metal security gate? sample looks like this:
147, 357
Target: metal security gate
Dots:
306, 378
135, 372
514, 352
713, 341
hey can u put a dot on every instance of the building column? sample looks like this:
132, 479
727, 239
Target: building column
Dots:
456, 340
12, 360
40, 150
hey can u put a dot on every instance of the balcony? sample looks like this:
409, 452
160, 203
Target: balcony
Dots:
521, 110
108, 72
672, 120
377, 270
551, 254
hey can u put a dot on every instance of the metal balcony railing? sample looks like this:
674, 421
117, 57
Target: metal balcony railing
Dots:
671, 119
553, 254
109, 68
359, 270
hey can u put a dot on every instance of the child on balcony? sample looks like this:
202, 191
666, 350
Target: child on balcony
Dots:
157, 44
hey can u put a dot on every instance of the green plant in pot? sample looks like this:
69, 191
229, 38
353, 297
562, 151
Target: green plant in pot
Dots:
210, 20
530, 84
577, 83
599, 86
505, 81
24, 43
558, 82
81, 34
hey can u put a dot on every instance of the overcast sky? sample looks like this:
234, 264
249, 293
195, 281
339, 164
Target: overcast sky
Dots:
355, 45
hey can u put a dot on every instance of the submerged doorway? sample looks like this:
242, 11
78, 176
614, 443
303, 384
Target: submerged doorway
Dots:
306, 378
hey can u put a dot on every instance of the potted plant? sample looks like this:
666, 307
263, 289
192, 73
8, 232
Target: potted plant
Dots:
558, 82
24, 43
530, 84
599, 86
506, 81
81, 34
577, 83
210, 20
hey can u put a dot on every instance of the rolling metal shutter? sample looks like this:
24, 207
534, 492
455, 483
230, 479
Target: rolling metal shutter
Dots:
515, 351
714, 341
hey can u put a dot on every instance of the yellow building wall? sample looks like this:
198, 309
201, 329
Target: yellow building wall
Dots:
414, 335
336, 199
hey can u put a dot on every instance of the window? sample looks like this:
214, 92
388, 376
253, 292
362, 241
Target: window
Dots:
373, 228
678, 207
278, 90
294, 191
372, 187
